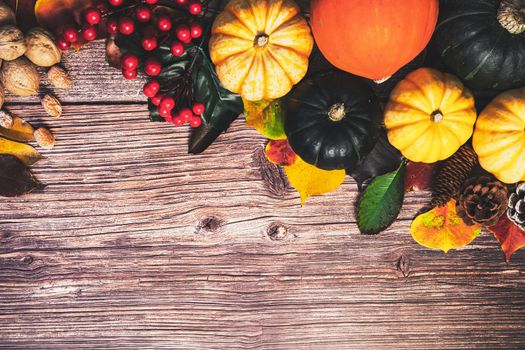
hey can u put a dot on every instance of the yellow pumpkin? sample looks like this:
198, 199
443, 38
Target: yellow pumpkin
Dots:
499, 138
260, 48
430, 115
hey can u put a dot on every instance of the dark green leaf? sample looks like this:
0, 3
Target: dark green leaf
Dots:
382, 159
381, 202
15, 177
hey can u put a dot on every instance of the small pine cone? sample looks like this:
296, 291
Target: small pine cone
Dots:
483, 201
452, 174
516, 211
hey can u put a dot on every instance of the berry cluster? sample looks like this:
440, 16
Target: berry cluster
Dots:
154, 27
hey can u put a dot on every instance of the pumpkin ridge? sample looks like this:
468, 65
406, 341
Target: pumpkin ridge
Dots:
269, 19
252, 57
422, 92
482, 62
269, 54
289, 48
461, 15
238, 18
285, 20
405, 104
321, 142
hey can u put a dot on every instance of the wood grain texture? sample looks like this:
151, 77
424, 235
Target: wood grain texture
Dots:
134, 244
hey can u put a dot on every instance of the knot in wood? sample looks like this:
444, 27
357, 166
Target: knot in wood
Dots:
277, 232
403, 265
209, 224
28, 260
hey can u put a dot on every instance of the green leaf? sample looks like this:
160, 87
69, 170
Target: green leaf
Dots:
266, 117
15, 177
381, 202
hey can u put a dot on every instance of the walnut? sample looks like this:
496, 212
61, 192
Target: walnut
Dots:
44, 138
51, 105
20, 77
12, 43
7, 16
59, 77
6, 120
41, 48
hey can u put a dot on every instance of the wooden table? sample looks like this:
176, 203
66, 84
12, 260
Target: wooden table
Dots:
136, 244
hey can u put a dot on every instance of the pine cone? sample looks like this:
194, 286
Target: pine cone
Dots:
452, 174
482, 201
516, 210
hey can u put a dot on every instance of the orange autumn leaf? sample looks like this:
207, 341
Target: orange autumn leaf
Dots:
280, 153
56, 14
309, 180
441, 228
510, 236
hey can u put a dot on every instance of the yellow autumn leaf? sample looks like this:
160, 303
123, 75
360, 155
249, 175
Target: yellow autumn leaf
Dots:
20, 131
22, 151
309, 180
441, 228
266, 117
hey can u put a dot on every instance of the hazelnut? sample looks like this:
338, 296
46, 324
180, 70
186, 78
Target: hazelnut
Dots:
12, 43
59, 77
44, 138
7, 16
51, 105
20, 77
41, 48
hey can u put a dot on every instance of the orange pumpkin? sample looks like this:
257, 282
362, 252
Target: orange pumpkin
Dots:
372, 38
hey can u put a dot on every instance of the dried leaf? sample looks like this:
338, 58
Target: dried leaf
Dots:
15, 178
266, 117
510, 236
381, 202
441, 228
113, 53
419, 176
310, 181
55, 14
280, 153
20, 131
22, 151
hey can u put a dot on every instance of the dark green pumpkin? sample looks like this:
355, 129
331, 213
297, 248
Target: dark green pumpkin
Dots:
332, 120
483, 42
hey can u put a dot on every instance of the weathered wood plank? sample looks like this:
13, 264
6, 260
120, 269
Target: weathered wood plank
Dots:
136, 244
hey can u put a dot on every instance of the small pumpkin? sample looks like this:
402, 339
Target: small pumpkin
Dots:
372, 39
499, 137
483, 42
429, 116
260, 48
332, 120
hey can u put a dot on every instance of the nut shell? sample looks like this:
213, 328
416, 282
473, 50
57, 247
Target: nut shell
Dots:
20, 77
59, 77
44, 138
51, 105
12, 43
7, 15
41, 48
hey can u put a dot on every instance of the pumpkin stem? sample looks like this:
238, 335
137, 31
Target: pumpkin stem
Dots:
511, 17
436, 117
337, 112
261, 40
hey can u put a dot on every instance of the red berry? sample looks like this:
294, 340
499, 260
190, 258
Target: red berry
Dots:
164, 113
195, 121
151, 88
178, 120
181, 2
198, 108
186, 113
151, 2
143, 14
195, 7
89, 33
164, 23
129, 61
112, 26
129, 74
92, 16
196, 30
70, 34
156, 100
126, 26
152, 67
63, 44
177, 49
167, 102
183, 33
116, 2
149, 44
